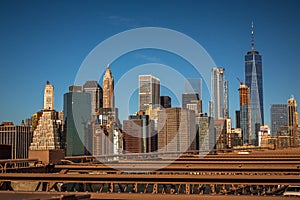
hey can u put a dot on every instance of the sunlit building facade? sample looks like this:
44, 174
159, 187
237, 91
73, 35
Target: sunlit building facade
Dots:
219, 94
149, 92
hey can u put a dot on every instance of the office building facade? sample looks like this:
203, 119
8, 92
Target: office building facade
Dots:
205, 131
223, 133
279, 117
138, 134
176, 130
192, 101
18, 137
77, 118
96, 93
149, 92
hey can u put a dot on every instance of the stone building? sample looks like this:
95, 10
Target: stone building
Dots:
47, 134
108, 89
47, 142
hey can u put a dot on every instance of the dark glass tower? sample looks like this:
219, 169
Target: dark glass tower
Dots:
279, 117
254, 80
77, 117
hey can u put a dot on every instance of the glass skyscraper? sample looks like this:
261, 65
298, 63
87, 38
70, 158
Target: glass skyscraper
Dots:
279, 117
77, 115
253, 79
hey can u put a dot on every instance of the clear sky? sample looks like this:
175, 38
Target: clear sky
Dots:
49, 40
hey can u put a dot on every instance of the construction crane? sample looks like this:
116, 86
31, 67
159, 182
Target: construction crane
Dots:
241, 82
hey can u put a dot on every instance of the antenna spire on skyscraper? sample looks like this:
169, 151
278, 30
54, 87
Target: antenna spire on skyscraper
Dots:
252, 34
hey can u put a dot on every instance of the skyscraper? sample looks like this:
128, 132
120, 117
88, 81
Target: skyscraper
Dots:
77, 114
138, 134
279, 117
192, 102
222, 133
293, 118
107, 128
219, 93
187, 98
47, 134
206, 135
108, 89
193, 85
48, 96
165, 101
96, 92
226, 99
176, 130
254, 80
293, 122
149, 92
245, 122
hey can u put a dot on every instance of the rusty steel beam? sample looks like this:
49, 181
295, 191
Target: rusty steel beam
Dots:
283, 161
227, 153
21, 160
151, 178
44, 195
286, 166
164, 162
296, 158
190, 169
197, 158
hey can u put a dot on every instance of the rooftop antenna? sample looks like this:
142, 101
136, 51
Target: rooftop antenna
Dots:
252, 35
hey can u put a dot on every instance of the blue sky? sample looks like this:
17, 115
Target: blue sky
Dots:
49, 40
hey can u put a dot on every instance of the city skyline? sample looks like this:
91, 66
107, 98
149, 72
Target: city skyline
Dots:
43, 47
